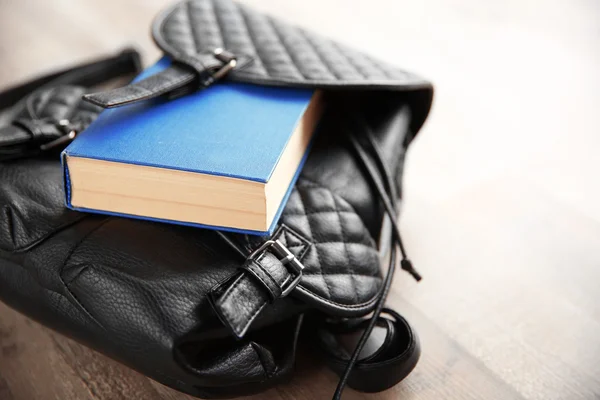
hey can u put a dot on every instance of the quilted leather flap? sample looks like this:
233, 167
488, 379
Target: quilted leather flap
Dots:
221, 39
340, 257
281, 54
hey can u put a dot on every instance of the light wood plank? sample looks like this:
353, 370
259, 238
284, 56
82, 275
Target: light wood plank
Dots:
31, 367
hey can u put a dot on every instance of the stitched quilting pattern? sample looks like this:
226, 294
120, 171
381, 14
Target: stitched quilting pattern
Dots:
342, 261
281, 52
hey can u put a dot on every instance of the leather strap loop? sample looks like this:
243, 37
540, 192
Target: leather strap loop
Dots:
393, 361
39, 130
24, 137
270, 272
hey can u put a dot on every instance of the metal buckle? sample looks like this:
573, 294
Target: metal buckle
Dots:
292, 264
68, 137
226, 57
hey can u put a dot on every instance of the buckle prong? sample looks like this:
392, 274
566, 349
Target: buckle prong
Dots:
226, 57
64, 139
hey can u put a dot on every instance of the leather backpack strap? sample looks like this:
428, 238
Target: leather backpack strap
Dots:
89, 74
388, 364
186, 75
270, 273
26, 134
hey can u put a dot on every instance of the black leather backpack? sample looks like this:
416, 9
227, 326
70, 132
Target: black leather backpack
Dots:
210, 313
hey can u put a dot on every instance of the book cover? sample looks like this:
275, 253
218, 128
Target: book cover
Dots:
232, 130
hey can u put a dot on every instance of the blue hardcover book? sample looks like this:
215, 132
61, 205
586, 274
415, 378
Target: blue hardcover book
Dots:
224, 158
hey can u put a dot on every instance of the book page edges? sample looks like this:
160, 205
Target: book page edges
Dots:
175, 195
295, 150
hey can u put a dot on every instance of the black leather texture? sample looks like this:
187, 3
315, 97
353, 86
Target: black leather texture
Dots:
138, 291
183, 305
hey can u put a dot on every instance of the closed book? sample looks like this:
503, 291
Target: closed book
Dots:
225, 157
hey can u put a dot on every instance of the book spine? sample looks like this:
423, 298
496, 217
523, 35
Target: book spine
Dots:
66, 179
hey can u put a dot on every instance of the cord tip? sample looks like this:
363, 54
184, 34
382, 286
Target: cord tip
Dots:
408, 267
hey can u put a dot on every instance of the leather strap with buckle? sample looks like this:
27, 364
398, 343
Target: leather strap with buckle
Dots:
270, 273
286, 258
185, 75
25, 134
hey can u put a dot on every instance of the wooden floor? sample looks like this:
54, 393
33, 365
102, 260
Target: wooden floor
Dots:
502, 211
